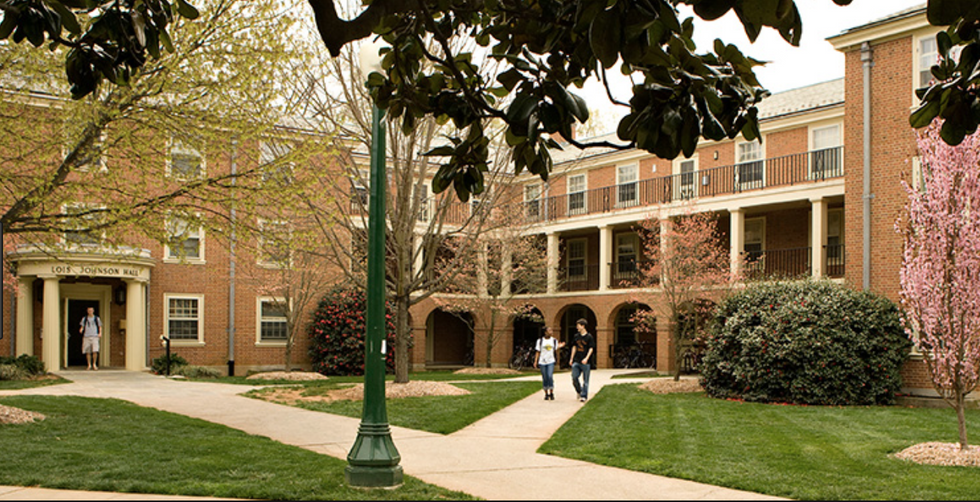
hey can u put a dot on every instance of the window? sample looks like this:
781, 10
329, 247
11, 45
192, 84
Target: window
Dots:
627, 247
825, 155
688, 179
272, 320
274, 169
185, 161
91, 155
424, 202
274, 242
626, 185
576, 194
835, 240
359, 191
928, 56
84, 219
576, 258
185, 240
755, 238
532, 201
751, 168
184, 315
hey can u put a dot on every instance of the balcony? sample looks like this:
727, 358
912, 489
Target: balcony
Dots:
789, 170
579, 277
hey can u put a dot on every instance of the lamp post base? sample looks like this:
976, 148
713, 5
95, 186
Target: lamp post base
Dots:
373, 460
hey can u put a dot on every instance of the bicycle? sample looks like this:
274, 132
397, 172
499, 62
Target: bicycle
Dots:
635, 356
523, 357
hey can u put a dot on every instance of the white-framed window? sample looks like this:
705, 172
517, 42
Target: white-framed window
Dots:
92, 156
928, 56
273, 169
84, 218
359, 190
627, 253
270, 321
185, 241
425, 202
274, 237
750, 167
185, 161
687, 177
576, 258
755, 238
532, 201
184, 317
627, 178
826, 157
577, 187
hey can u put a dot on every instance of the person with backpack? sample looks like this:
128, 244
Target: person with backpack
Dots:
91, 330
545, 357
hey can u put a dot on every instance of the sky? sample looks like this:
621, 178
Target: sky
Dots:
789, 67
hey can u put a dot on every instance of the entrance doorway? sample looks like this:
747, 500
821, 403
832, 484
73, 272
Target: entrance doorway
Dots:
77, 309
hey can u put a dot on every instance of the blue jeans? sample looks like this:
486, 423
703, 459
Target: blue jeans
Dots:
547, 375
583, 369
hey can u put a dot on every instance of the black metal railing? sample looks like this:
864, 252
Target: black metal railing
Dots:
629, 274
579, 278
806, 167
835, 260
777, 263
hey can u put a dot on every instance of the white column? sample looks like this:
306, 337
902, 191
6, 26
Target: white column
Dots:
552, 262
25, 316
135, 326
736, 232
507, 274
51, 325
818, 237
605, 256
665, 226
481, 270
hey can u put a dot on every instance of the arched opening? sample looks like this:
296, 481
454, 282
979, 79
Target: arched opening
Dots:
569, 316
692, 323
635, 337
450, 339
528, 327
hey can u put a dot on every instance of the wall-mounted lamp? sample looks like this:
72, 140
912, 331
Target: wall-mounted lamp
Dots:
716, 155
119, 295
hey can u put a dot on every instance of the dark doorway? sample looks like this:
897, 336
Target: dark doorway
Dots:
452, 339
76, 311
528, 328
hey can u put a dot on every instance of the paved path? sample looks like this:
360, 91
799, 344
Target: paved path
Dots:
494, 458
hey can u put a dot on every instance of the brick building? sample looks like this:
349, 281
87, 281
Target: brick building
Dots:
797, 199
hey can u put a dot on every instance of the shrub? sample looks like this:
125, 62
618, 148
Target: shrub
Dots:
159, 364
807, 342
11, 372
192, 371
29, 365
337, 334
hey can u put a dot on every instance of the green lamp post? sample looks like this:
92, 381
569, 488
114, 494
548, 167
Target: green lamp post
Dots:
373, 460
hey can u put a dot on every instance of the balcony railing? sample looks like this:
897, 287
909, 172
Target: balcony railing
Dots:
807, 167
579, 277
628, 273
835, 260
777, 263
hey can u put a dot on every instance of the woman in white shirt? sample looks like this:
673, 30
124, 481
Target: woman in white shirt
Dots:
545, 357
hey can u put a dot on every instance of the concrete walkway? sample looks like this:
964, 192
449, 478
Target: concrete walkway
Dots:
494, 458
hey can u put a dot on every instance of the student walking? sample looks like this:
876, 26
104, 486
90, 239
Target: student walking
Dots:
583, 355
91, 329
545, 357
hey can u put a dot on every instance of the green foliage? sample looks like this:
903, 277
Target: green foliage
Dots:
28, 365
192, 371
11, 372
159, 365
805, 342
337, 333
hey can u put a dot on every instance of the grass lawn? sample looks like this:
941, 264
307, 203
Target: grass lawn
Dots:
30, 384
438, 414
801, 452
440, 376
642, 374
112, 445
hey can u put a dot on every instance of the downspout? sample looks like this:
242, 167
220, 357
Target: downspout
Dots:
866, 196
231, 268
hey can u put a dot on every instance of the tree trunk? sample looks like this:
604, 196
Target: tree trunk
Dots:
490, 338
289, 345
961, 417
403, 333
677, 337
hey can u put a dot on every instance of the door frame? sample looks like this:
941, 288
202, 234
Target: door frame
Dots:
101, 293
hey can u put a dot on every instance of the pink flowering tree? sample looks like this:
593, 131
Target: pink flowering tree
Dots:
940, 274
687, 259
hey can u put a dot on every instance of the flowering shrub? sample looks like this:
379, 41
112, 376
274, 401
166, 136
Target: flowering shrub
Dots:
805, 342
337, 334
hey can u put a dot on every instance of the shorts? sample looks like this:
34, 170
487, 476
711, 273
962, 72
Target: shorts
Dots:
90, 344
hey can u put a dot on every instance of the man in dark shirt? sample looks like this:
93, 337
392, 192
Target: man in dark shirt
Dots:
583, 355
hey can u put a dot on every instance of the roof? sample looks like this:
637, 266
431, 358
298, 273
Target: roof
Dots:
799, 100
910, 12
